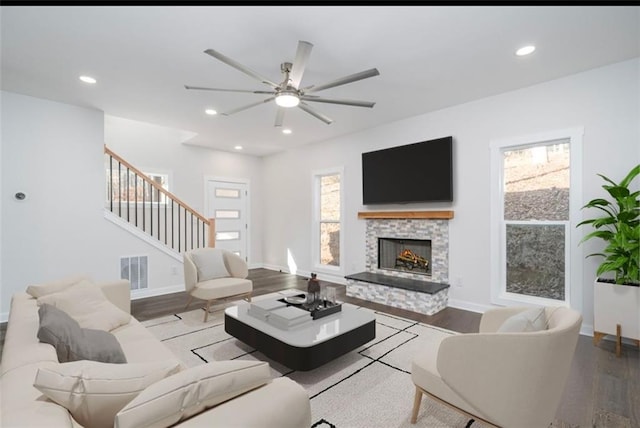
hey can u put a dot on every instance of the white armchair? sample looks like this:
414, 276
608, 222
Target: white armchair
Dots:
507, 379
214, 273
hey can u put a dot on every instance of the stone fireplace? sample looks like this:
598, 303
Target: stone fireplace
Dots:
407, 260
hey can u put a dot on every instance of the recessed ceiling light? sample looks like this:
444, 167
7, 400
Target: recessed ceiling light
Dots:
88, 79
211, 112
526, 50
238, 147
286, 131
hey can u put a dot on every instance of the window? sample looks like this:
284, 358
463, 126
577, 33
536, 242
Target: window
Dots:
534, 207
327, 239
126, 185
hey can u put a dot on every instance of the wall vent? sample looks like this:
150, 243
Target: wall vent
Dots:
134, 268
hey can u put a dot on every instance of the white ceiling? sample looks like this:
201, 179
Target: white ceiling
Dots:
429, 58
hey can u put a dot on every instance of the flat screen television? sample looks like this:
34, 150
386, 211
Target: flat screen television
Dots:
418, 172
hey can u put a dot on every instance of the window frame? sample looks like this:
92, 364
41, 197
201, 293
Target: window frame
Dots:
148, 173
317, 221
573, 255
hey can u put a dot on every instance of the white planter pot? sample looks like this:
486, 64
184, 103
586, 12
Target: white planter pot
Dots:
614, 305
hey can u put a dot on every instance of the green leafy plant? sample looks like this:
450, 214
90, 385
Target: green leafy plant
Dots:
619, 227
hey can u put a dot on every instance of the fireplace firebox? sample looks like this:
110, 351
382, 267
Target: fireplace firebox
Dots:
405, 255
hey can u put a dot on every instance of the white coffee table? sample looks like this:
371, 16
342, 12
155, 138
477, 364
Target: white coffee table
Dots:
307, 346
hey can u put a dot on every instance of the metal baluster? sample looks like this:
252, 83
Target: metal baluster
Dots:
151, 207
119, 189
178, 227
191, 224
165, 220
198, 233
173, 225
136, 203
185, 229
111, 182
159, 215
128, 196
144, 202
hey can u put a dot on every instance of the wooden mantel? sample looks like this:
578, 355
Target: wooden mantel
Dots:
447, 215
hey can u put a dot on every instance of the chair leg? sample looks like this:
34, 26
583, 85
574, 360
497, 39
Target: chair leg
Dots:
416, 405
206, 310
249, 297
189, 301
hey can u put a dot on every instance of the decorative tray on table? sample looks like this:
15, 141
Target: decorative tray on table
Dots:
319, 310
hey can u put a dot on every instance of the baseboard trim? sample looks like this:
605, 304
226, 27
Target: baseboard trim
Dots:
152, 292
469, 306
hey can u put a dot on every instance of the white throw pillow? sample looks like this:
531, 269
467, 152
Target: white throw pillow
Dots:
87, 304
39, 290
191, 391
209, 263
530, 320
94, 392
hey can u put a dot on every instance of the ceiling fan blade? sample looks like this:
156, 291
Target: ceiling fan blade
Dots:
236, 110
248, 91
342, 81
306, 107
300, 63
354, 103
240, 67
279, 117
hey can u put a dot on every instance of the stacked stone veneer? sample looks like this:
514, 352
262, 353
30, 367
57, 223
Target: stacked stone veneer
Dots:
435, 230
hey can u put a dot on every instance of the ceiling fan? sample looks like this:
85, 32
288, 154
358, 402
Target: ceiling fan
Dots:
288, 93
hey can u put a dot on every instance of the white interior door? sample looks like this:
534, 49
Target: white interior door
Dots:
227, 202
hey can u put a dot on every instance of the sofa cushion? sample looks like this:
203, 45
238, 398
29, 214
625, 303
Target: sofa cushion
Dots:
94, 392
73, 342
209, 263
39, 290
526, 321
87, 304
191, 391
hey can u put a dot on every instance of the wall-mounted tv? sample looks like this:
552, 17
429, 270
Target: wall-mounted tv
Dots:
418, 172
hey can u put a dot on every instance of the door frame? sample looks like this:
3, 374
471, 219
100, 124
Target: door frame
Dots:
235, 180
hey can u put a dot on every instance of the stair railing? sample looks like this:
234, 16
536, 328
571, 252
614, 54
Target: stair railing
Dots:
141, 201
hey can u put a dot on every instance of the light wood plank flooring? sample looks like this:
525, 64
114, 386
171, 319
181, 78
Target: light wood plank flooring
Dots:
602, 390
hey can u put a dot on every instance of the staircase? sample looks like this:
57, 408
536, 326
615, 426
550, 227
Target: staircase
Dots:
143, 204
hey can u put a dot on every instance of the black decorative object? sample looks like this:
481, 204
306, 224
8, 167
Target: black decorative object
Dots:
321, 308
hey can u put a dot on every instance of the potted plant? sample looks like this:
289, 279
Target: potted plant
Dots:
617, 292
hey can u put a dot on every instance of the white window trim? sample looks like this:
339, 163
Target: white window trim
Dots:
315, 222
573, 255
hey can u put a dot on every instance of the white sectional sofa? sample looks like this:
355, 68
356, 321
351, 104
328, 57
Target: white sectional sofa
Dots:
278, 402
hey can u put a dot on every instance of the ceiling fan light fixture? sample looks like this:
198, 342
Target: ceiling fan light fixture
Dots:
287, 99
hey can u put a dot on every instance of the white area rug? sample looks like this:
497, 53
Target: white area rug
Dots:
369, 387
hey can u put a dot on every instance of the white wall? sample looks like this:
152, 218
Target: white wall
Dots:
53, 152
157, 148
604, 101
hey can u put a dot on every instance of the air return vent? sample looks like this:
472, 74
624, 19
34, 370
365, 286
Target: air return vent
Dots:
134, 269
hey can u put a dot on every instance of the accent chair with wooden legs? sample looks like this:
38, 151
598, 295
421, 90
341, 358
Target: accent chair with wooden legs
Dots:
510, 374
213, 273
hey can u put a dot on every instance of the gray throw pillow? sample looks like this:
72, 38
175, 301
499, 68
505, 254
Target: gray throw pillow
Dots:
73, 342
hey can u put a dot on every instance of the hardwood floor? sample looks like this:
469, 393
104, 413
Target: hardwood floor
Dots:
602, 390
